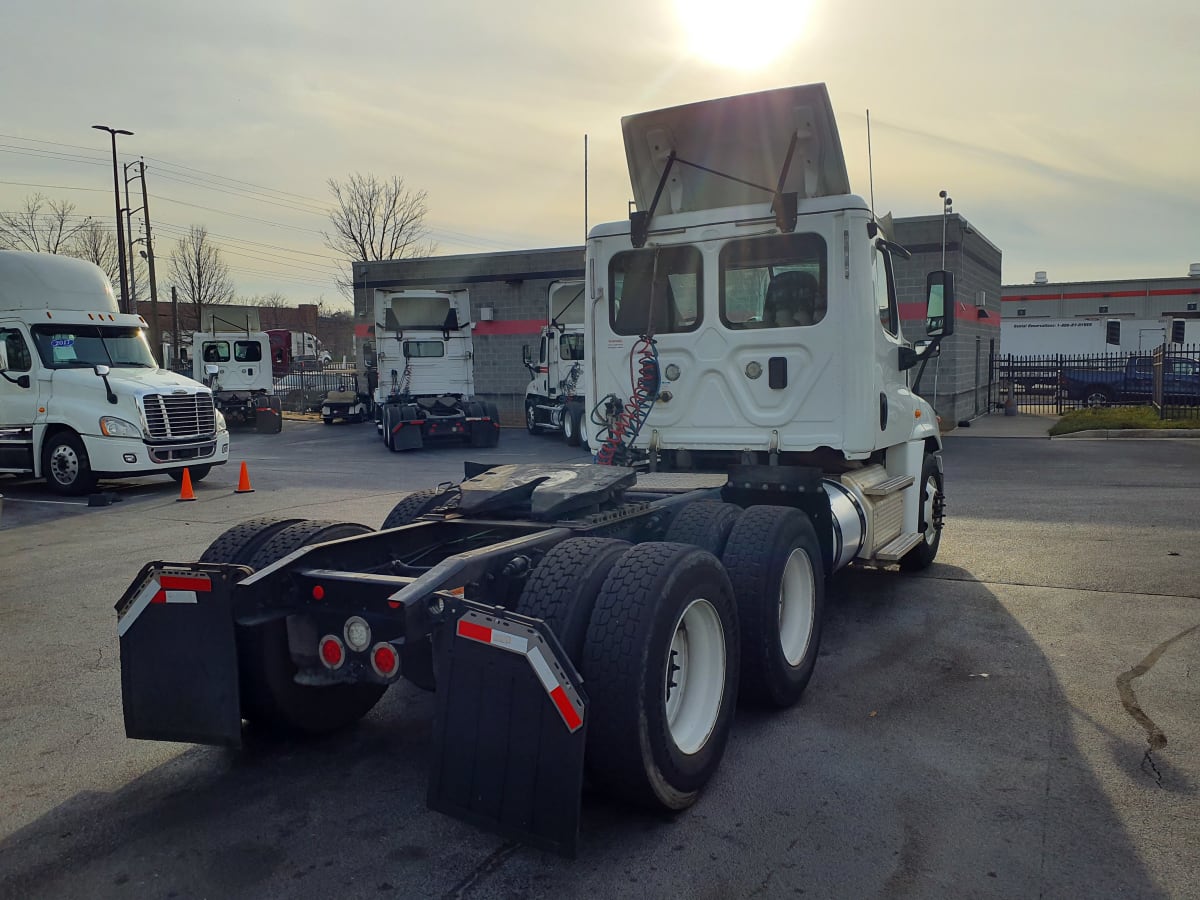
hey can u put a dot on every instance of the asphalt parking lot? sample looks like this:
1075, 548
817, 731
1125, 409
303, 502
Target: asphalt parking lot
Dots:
981, 730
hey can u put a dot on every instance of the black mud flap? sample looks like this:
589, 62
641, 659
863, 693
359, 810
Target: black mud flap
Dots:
509, 728
179, 670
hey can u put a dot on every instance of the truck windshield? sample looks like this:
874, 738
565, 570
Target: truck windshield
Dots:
84, 346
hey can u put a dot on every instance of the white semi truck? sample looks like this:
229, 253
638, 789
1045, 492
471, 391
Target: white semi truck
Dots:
758, 428
426, 381
236, 366
81, 397
554, 400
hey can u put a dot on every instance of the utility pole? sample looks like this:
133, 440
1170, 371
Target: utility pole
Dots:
174, 323
155, 329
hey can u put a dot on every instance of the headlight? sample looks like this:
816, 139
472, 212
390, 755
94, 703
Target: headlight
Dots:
111, 426
221, 426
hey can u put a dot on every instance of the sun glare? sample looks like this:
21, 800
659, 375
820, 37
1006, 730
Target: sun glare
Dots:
749, 34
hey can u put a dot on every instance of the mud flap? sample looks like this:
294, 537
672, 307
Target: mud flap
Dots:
268, 416
509, 728
179, 669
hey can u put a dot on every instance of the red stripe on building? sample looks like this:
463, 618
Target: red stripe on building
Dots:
1102, 295
565, 709
510, 326
474, 632
184, 583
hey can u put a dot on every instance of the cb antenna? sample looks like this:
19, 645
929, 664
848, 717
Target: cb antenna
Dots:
870, 166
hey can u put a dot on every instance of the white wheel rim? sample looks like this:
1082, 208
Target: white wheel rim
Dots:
797, 606
927, 512
568, 427
694, 680
64, 464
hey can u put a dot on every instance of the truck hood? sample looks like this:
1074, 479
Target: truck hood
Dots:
745, 136
132, 382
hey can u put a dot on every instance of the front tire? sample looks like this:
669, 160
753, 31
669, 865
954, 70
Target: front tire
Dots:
531, 419
930, 524
571, 424
65, 465
775, 564
663, 645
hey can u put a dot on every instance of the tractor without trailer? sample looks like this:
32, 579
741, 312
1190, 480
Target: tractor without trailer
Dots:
554, 400
236, 366
606, 618
426, 380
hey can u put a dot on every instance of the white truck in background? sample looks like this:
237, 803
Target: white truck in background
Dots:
1048, 336
81, 397
236, 365
426, 380
554, 400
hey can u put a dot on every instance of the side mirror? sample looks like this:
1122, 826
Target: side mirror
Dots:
939, 304
525, 356
929, 349
211, 369
101, 370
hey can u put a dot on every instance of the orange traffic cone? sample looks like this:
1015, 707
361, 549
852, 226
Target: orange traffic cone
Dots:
244, 482
185, 490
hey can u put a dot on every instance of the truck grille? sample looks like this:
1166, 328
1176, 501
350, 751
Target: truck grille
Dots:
179, 415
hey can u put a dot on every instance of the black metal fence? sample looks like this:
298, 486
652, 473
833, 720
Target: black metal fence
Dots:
303, 387
1167, 379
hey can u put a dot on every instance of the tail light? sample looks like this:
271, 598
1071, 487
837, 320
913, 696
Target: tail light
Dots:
332, 653
385, 660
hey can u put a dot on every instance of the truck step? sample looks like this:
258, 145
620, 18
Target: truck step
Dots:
891, 486
895, 549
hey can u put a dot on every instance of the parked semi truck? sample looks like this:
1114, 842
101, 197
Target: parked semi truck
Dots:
295, 349
554, 400
426, 382
757, 428
236, 366
81, 397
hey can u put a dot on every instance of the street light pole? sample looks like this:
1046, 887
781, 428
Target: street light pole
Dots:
113, 132
129, 211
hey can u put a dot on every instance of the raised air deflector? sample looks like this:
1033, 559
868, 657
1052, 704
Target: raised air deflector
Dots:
746, 137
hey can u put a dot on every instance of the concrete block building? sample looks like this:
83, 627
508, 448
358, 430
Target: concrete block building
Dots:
509, 291
956, 383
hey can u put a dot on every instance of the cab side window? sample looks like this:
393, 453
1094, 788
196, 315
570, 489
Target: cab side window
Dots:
885, 292
19, 357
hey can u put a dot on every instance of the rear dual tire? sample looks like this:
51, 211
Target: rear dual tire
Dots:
270, 697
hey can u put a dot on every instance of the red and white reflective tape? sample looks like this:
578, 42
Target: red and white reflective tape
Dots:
473, 626
164, 587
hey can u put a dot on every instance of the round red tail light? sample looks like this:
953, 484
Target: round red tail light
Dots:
333, 654
385, 660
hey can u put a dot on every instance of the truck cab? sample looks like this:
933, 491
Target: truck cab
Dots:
424, 360
81, 396
554, 399
237, 367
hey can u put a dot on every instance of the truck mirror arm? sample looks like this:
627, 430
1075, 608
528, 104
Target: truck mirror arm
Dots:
102, 372
21, 381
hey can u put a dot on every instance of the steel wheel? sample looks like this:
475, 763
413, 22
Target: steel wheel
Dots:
797, 606
694, 679
530, 420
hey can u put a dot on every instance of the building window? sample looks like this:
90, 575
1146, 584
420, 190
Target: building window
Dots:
1104, 309
1021, 311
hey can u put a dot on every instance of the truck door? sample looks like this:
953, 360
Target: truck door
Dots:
895, 402
18, 405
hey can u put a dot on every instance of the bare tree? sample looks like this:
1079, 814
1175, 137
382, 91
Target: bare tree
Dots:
376, 219
43, 226
98, 245
273, 300
198, 271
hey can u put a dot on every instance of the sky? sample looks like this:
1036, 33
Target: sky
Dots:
1065, 132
